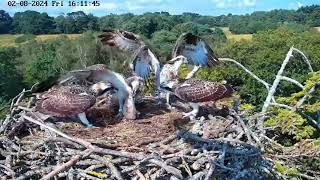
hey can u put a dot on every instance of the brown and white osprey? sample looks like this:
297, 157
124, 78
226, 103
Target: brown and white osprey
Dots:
62, 101
189, 48
196, 50
100, 73
195, 91
143, 60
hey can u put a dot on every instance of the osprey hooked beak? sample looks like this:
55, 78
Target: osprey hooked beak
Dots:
136, 84
178, 58
170, 84
101, 87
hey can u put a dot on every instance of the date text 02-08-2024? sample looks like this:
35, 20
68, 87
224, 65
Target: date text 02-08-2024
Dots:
53, 3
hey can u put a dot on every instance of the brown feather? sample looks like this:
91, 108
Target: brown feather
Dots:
123, 40
65, 100
195, 90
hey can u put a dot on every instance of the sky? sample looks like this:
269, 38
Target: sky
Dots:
203, 7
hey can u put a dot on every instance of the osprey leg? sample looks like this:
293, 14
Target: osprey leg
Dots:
84, 120
121, 106
168, 100
194, 70
192, 114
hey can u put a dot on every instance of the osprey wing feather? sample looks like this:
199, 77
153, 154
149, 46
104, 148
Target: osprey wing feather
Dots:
65, 101
143, 60
123, 40
195, 49
196, 90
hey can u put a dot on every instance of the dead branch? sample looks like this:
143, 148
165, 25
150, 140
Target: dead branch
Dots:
64, 166
276, 81
248, 71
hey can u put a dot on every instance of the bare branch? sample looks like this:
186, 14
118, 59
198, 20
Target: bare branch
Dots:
292, 81
281, 105
306, 60
276, 82
248, 71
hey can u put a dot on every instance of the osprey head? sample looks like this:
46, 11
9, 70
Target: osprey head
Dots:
179, 58
101, 87
135, 83
170, 84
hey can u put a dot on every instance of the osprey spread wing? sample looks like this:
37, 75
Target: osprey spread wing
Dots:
195, 49
143, 60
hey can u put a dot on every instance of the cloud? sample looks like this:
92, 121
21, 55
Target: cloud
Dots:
143, 4
295, 5
299, 4
234, 3
91, 9
133, 6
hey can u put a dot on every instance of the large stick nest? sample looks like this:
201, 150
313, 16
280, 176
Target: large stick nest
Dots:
159, 145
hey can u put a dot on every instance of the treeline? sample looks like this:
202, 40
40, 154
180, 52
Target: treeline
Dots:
35, 61
33, 22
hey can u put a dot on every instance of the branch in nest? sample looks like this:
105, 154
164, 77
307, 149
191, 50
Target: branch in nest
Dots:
65, 166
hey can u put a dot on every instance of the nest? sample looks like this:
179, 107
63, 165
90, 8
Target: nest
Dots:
158, 145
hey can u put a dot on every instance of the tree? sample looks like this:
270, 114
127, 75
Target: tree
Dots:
10, 78
32, 22
163, 42
263, 55
5, 22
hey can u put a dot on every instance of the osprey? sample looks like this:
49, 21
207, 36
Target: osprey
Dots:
196, 50
100, 73
195, 91
143, 60
62, 101
189, 49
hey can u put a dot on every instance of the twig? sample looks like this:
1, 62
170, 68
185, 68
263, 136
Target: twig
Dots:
292, 81
267, 85
64, 166
114, 169
170, 169
80, 141
281, 105
210, 171
10, 170
5, 124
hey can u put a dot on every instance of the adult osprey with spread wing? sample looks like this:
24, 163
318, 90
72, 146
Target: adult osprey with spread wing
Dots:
143, 60
196, 51
189, 49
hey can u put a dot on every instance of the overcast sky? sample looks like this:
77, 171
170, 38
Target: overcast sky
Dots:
204, 7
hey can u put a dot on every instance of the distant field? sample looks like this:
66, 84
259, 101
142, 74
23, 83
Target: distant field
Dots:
236, 37
7, 40
317, 28
53, 36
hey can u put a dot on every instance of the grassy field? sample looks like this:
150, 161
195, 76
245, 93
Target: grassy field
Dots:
236, 37
7, 40
53, 36
317, 29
